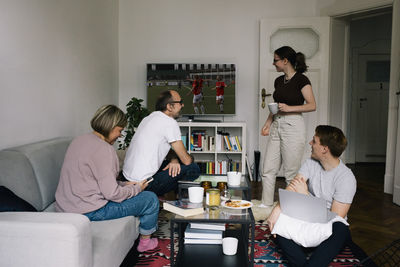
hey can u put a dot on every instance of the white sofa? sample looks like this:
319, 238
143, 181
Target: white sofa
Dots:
48, 238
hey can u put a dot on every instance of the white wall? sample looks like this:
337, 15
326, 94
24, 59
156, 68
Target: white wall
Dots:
205, 31
343, 7
58, 64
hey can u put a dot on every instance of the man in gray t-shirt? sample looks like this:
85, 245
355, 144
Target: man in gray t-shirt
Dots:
337, 184
324, 176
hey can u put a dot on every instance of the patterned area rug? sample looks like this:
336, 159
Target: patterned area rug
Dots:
266, 251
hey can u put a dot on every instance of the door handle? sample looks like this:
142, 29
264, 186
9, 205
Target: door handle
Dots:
362, 100
263, 95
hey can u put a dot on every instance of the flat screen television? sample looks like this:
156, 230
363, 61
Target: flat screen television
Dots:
198, 85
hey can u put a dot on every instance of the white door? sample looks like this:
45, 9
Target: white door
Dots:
372, 107
309, 36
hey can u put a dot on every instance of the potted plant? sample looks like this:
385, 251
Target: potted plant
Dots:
135, 113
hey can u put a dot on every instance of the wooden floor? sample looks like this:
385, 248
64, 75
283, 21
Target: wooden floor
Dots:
374, 219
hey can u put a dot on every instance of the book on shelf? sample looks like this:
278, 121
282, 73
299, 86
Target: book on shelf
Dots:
238, 143
219, 167
202, 241
233, 143
202, 233
183, 207
184, 141
208, 226
227, 143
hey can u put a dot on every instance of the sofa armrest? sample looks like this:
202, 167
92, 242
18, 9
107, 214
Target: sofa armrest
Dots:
45, 239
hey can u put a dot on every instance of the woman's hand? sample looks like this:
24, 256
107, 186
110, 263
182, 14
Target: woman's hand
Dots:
265, 130
267, 125
284, 108
143, 184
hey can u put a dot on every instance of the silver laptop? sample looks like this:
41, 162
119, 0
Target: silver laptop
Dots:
305, 208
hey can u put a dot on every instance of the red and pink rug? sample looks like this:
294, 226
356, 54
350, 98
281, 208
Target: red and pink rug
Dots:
266, 251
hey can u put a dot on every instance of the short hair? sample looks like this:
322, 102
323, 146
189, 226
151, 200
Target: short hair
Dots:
107, 118
163, 100
333, 138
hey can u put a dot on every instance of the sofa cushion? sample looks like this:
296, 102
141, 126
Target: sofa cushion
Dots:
32, 171
113, 237
45, 239
11, 202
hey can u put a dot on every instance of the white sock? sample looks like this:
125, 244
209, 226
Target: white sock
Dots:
221, 107
202, 109
196, 110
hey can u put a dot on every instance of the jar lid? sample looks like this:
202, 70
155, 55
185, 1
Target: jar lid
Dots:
212, 190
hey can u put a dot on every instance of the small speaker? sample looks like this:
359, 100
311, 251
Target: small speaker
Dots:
257, 156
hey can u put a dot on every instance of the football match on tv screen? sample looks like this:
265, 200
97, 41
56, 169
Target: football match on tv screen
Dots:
206, 89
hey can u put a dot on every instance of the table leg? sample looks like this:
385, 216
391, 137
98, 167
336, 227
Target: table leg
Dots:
172, 258
253, 230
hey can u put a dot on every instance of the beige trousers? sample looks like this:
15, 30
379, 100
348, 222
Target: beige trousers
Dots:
285, 146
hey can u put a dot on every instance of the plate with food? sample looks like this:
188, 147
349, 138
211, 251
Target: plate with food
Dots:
237, 204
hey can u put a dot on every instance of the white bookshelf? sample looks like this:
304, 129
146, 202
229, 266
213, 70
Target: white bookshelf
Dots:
212, 128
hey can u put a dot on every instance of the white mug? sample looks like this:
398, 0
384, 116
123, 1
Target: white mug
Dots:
273, 108
196, 194
234, 178
229, 245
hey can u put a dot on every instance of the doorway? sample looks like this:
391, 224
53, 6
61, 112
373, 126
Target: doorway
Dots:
369, 67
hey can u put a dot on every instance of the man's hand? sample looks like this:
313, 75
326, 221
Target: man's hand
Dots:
174, 168
273, 217
299, 185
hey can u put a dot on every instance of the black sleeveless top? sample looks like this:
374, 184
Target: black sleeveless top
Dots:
289, 92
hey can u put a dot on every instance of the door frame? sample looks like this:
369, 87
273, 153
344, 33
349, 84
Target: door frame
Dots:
343, 8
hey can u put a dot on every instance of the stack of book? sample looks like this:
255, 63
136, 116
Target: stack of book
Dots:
204, 233
183, 207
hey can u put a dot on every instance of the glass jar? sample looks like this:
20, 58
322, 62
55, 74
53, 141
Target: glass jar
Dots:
206, 185
221, 186
213, 197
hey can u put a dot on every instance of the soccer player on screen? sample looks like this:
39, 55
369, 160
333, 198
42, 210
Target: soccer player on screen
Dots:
220, 86
197, 90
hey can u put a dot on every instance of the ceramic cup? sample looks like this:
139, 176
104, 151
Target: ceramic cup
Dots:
196, 194
229, 245
273, 108
234, 178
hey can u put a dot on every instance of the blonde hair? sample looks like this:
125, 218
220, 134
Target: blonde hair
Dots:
107, 118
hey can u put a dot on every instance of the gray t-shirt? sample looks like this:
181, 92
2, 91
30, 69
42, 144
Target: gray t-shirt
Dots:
337, 184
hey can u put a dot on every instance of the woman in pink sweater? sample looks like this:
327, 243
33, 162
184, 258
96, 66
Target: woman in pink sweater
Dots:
88, 183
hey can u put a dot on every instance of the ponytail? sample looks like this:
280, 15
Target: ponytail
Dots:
300, 65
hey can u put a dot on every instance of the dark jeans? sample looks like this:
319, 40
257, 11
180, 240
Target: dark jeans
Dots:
321, 255
163, 183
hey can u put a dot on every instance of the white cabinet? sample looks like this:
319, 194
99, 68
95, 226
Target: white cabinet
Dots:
212, 156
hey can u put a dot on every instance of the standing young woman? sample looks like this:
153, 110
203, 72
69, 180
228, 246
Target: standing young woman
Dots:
286, 129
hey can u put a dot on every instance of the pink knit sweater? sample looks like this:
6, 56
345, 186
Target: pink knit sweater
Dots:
88, 177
